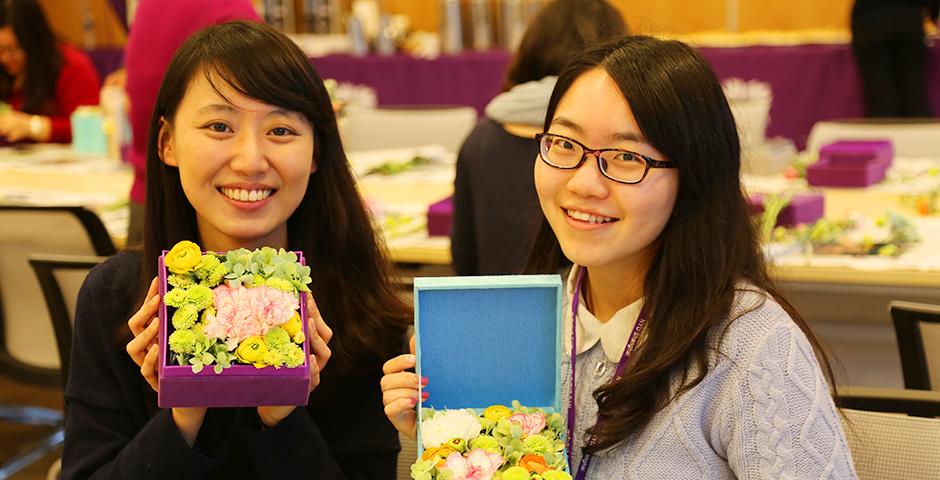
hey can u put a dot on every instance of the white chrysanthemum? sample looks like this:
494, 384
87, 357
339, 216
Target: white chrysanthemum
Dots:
449, 424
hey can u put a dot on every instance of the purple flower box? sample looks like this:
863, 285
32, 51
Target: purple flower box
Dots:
238, 385
803, 208
856, 163
441, 217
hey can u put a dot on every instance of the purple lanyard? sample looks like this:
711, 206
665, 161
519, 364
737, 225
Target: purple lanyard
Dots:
618, 374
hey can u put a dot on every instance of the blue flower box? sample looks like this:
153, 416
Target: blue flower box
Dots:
489, 340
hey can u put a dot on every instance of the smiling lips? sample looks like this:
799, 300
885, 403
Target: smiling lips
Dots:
246, 195
588, 217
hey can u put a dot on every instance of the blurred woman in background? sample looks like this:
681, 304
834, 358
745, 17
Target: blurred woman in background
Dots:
42, 80
494, 166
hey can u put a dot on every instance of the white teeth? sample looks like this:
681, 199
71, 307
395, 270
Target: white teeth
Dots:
587, 217
243, 195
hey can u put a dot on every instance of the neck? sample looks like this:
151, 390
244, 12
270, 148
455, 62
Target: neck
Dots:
608, 290
212, 240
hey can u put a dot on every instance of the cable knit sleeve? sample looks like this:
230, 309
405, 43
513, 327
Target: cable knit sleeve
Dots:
783, 423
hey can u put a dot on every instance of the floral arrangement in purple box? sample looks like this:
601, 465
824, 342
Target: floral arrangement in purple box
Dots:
238, 307
518, 443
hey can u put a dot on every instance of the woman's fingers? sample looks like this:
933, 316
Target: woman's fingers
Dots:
314, 317
399, 364
139, 346
148, 369
399, 380
314, 373
403, 417
147, 311
319, 349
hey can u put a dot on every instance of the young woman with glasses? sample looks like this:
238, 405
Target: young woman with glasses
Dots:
682, 360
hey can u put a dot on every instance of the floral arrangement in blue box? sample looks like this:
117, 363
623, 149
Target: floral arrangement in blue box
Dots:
490, 348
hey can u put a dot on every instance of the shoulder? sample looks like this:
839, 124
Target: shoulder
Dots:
111, 289
74, 58
755, 320
77, 67
119, 271
489, 137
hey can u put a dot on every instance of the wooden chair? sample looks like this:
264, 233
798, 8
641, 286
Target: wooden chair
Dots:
917, 326
29, 350
887, 440
401, 127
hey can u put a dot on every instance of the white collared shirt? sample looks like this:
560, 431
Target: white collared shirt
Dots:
612, 334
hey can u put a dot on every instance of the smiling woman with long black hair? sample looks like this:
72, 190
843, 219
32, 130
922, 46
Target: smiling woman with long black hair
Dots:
42, 79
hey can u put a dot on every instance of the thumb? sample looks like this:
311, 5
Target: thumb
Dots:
412, 344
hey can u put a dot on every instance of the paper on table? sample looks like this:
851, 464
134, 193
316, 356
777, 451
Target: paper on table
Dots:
364, 162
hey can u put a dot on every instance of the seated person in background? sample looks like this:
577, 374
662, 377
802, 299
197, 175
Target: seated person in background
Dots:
494, 166
42, 80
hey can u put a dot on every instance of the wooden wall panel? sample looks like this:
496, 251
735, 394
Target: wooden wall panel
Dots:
65, 18
683, 16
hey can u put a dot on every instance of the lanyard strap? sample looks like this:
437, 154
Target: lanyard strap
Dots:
618, 374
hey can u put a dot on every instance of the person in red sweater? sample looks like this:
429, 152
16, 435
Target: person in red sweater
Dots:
42, 80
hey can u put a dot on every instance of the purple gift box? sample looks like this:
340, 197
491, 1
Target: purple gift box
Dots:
855, 163
440, 217
238, 385
803, 208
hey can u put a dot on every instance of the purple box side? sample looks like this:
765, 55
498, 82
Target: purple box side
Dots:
803, 208
441, 217
229, 391
835, 175
180, 387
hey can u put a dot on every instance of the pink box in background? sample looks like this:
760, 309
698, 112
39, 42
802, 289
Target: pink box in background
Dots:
441, 217
236, 386
803, 208
851, 163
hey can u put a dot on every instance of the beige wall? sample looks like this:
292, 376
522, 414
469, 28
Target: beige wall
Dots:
65, 16
685, 16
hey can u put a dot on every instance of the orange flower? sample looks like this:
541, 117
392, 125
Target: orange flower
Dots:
439, 453
533, 463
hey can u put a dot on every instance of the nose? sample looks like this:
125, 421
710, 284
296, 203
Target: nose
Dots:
587, 180
249, 157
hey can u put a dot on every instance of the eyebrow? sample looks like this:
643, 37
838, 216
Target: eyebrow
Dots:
228, 108
623, 136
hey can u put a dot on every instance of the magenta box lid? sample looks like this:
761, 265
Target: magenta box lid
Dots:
236, 386
857, 151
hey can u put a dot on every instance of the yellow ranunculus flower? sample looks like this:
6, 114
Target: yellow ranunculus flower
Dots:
438, 453
183, 258
293, 325
495, 413
251, 350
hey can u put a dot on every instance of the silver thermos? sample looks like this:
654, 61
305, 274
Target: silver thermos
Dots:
451, 32
482, 24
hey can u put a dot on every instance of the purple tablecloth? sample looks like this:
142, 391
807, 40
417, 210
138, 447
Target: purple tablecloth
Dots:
810, 82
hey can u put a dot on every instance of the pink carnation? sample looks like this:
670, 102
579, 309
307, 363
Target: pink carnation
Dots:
531, 423
478, 465
245, 312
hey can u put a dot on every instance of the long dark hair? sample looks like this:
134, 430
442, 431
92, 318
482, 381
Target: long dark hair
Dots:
692, 279
43, 58
556, 33
331, 226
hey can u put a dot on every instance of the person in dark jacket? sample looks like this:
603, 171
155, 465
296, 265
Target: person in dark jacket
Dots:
495, 207
244, 152
888, 43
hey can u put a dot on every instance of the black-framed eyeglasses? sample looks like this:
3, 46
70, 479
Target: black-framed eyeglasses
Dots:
622, 166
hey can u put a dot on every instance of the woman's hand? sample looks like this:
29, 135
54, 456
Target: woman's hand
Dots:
145, 352
400, 392
318, 336
17, 126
